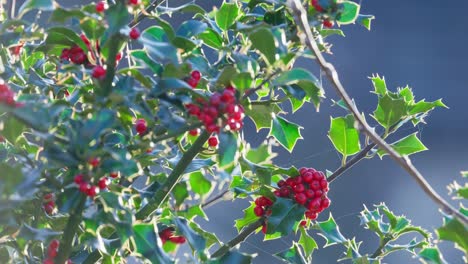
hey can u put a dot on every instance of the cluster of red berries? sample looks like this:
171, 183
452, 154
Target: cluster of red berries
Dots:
86, 187
309, 189
168, 235
327, 22
74, 54
194, 79
48, 203
7, 96
262, 208
52, 251
221, 110
141, 126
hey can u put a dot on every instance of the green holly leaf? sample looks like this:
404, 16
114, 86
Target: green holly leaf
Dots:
307, 243
344, 136
389, 111
263, 40
431, 255
285, 132
180, 192
199, 184
262, 154
211, 39
365, 20
34, 234
44, 5
147, 243
249, 218
227, 152
302, 79
331, 232
227, 15
11, 128
380, 87
453, 230
424, 107
406, 146
191, 28
262, 114
349, 12
285, 214
196, 241
292, 255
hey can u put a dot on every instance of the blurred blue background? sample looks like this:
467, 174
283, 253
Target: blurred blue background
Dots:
418, 43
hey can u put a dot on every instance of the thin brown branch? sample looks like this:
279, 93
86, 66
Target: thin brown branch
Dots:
243, 235
266, 80
306, 36
144, 14
215, 199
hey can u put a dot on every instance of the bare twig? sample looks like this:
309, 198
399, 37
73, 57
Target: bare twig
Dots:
266, 80
306, 36
144, 14
215, 199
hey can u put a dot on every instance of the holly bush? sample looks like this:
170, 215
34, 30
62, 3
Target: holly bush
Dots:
115, 137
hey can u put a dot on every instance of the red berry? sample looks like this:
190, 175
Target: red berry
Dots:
318, 193
134, 2
212, 128
284, 191
324, 184
264, 229
227, 96
290, 182
92, 191
140, 126
318, 176
213, 142
102, 183
114, 175
196, 75
298, 179
48, 196
325, 203
315, 185
328, 23
52, 252
267, 201
309, 193
281, 183
258, 211
84, 187
302, 170
79, 178
300, 198
194, 132
307, 177
99, 72
215, 99
192, 82
311, 215
49, 209
54, 244
100, 7
299, 188
134, 33
177, 239
317, 6
69, 261
94, 161
303, 223
314, 205
166, 233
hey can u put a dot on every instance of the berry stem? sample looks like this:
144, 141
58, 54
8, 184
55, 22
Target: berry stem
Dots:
70, 231
242, 236
300, 16
173, 178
